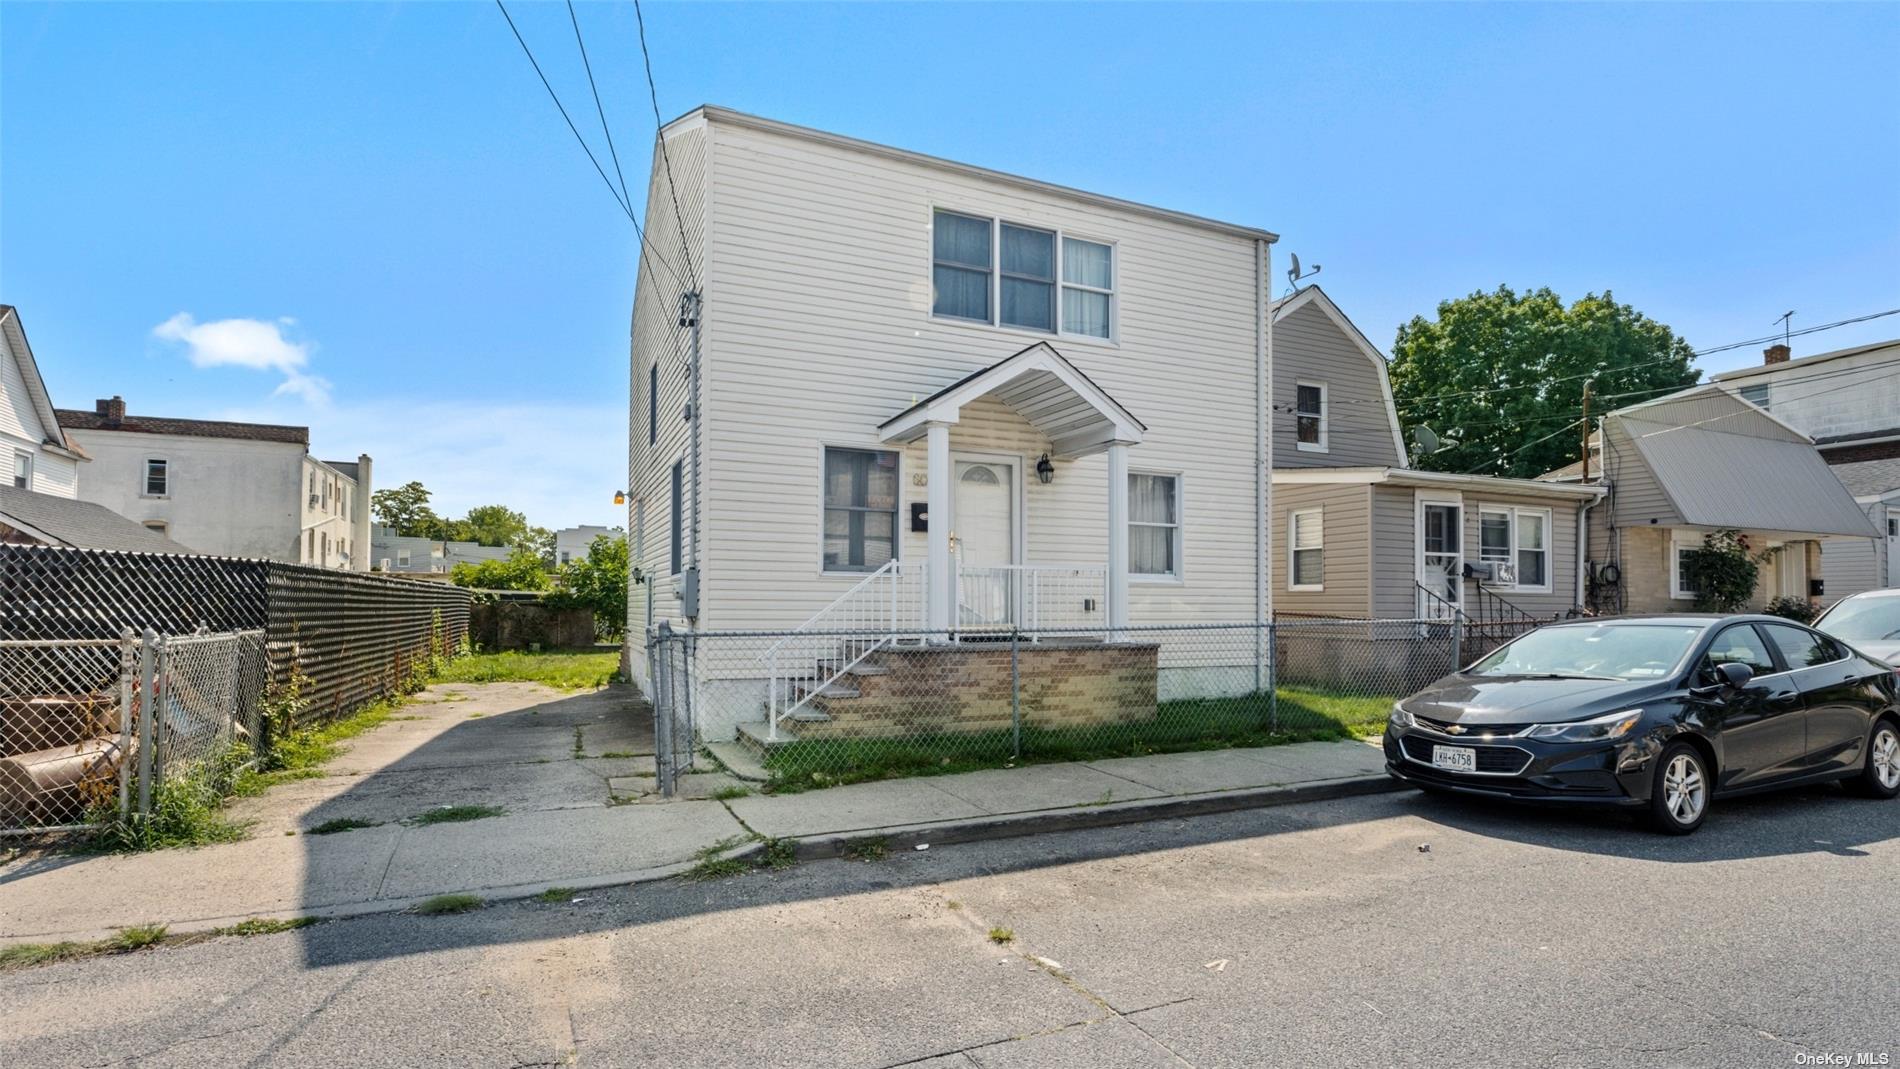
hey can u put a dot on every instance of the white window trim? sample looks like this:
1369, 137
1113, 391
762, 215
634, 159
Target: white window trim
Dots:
995, 320
1292, 546
900, 525
1680, 540
145, 479
1325, 400
23, 465
1179, 574
1513, 512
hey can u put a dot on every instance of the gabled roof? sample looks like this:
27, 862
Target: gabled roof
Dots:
74, 419
1041, 385
62, 521
730, 117
1316, 297
35, 385
1807, 361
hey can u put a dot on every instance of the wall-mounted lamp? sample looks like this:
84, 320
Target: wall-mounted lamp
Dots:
1045, 471
620, 497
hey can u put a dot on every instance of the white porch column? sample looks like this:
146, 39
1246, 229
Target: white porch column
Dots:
941, 576
1117, 538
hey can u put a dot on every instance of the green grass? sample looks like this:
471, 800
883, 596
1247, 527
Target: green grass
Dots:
137, 937
331, 827
709, 865
1304, 715
450, 814
562, 671
869, 848
260, 926
444, 904
557, 895
727, 794
779, 854
1002, 936
23, 955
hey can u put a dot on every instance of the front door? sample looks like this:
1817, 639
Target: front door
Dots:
984, 521
1893, 547
1441, 558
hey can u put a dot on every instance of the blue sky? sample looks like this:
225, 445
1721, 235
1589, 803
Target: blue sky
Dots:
436, 275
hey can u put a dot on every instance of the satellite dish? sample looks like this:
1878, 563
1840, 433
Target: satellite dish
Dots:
1425, 439
1294, 271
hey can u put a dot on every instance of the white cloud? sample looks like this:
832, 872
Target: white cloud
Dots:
559, 463
256, 344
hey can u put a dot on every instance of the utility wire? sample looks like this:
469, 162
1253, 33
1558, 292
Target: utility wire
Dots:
625, 197
659, 127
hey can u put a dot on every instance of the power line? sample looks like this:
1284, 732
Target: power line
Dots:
659, 127
626, 197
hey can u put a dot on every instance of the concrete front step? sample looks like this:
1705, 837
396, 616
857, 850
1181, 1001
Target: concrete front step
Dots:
757, 736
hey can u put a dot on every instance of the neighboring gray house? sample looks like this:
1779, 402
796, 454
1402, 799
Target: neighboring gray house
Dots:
1852, 565
391, 552
1680, 467
1361, 534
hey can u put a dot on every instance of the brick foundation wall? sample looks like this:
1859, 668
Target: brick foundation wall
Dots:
967, 689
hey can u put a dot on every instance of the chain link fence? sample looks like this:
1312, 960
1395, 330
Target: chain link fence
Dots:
90, 729
816, 708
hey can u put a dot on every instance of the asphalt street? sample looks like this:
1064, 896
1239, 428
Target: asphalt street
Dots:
1395, 930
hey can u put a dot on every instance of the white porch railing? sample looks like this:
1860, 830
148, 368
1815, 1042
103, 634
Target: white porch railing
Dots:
881, 608
1031, 597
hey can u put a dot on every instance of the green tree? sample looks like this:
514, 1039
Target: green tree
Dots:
405, 510
520, 570
495, 525
541, 540
1496, 372
598, 581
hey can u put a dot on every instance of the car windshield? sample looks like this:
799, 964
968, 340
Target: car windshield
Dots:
1593, 651
1863, 620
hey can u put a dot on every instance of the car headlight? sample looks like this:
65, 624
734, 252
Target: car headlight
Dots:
1596, 729
1399, 718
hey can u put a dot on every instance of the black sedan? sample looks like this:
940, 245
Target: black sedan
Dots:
1659, 714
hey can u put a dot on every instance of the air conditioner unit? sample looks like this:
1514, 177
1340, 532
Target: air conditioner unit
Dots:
1505, 574
385, 564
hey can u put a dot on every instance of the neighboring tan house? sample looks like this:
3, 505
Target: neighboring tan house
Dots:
571, 543
951, 396
1847, 400
407, 554
38, 499
1363, 535
227, 489
1703, 460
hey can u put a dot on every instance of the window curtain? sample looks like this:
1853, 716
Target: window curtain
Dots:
1029, 275
1532, 558
1152, 524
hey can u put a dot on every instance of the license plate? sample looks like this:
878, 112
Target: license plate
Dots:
1455, 758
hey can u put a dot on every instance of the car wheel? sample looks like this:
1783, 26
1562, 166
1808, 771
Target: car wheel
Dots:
1880, 775
1679, 793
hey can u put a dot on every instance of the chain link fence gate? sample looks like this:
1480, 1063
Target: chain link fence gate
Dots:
91, 728
815, 708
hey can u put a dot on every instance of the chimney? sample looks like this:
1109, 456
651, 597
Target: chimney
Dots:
1775, 354
113, 410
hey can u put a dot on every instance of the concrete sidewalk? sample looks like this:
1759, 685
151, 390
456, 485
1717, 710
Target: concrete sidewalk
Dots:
559, 765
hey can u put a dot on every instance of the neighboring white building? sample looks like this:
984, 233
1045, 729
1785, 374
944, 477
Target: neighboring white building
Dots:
570, 543
895, 347
228, 489
392, 552
1847, 400
36, 453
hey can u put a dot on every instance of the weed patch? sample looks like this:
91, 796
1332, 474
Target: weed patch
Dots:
709, 865
450, 814
1002, 936
562, 671
727, 794
137, 937
261, 926
556, 895
445, 904
869, 848
331, 827
779, 854
23, 955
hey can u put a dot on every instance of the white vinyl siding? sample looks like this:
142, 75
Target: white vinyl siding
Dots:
819, 327
1306, 550
1154, 525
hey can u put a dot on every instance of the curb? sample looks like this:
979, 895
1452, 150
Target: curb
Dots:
1012, 826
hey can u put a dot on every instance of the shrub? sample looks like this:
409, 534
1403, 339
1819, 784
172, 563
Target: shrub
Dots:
1724, 570
1796, 609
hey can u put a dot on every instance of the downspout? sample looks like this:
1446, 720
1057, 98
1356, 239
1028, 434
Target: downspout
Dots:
1583, 549
1263, 452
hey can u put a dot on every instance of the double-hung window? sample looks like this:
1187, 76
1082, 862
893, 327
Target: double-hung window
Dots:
1306, 550
1309, 417
157, 477
1013, 275
23, 471
1682, 578
1756, 394
1518, 538
860, 509
1154, 525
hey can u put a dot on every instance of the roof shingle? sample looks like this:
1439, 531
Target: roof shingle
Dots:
75, 419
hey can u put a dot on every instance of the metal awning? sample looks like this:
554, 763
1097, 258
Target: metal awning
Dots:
1720, 479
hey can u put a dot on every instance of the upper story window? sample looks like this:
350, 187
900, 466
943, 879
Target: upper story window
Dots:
1756, 394
23, 471
157, 477
1006, 274
1309, 417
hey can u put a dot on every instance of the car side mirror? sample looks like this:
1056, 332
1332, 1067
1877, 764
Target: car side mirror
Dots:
1734, 674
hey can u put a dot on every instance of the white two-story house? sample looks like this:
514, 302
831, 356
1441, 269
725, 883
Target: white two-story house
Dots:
223, 488
936, 396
